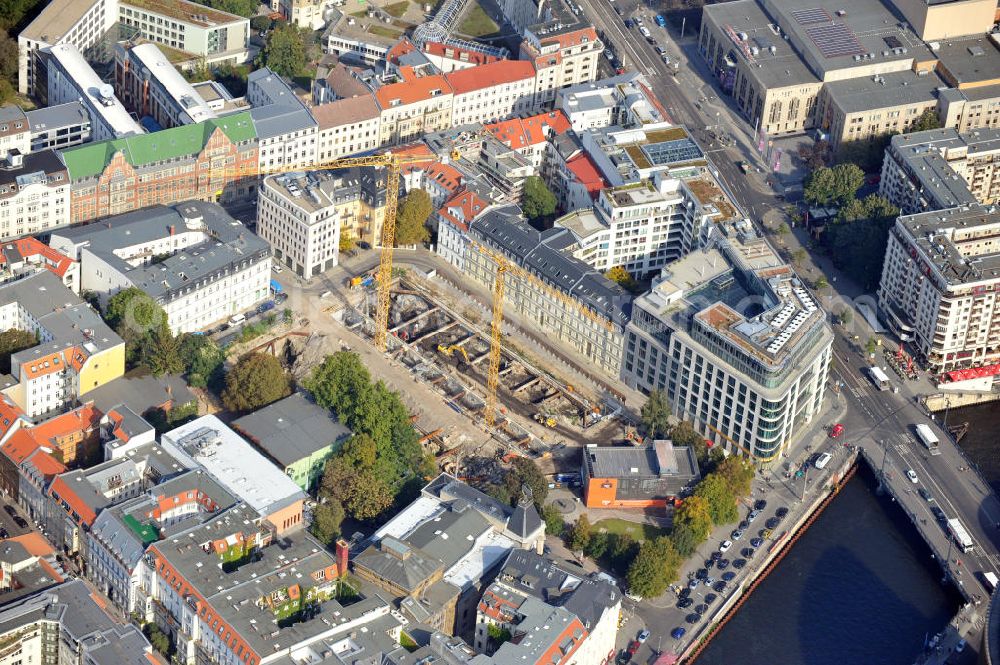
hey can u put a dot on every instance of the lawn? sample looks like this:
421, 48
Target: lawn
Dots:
477, 23
634, 529
384, 32
396, 9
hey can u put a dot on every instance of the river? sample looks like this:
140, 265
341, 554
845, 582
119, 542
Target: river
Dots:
981, 442
858, 587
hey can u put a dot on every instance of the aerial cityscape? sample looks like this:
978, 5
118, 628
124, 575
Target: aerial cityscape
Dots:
500, 332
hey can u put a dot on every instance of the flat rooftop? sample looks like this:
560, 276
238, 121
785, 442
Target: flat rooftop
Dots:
651, 461
209, 444
949, 239
884, 91
292, 428
188, 12
57, 18
314, 191
970, 61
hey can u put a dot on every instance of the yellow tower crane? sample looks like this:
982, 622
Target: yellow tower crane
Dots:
392, 163
504, 266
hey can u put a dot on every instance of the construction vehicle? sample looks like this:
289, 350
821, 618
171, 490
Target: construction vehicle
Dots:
503, 267
450, 350
544, 419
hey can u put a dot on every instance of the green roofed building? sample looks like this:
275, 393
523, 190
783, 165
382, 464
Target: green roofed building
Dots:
215, 160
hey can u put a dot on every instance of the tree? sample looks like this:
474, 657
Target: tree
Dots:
815, 155
684, 538
346, 241
256, 380
799, 256
737, 472
721, 501
285, 51
368, 496
538, 202
654, 568
696, 514
327, 518
623, 550
411, 218
598, 545
580, 534
619, 275
13, 340
8, 55
928, 120
203, 360
261, 23
783, 229
132, 313
524, 472
857, 240
871, 346
833, 186
341, 383
554, 523
655, 414
684, 434
821, 283
160, 353
844, 316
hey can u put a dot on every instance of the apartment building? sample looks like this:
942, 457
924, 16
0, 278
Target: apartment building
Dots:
346, 127
59, 127
70, 78
738, 346
453, 219
774, 56
77, 352
304, 216
215, 160
939, 285
564, 53
27, 256
198, 263
34, 194
216, 36
286, 130
15, 133
942, 168
582, 618
563, 295
65, 625
625, 100
452, 55
411, 108
491, 92
149, 85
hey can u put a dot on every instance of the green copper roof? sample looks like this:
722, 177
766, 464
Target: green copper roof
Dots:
146, 532
89, 160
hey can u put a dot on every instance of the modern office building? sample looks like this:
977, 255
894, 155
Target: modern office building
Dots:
34, 194
198, 263
215, 160
942, 168
77, 351
939, 284
303, 216
625, 100
645, 476
71, 78
58, 127
207, 33
298, 435
736, 343
150, 86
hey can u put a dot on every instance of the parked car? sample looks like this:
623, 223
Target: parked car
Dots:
729, 577
20, 521
722, 564
772, 523
685, 603
836, 431
761, 504
276, 267
736, 535
678, 632
724, 547
693, 584
756, 542
10, 510
781, 512
643, 636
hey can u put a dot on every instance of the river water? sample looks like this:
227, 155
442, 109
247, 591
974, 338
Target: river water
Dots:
859, 587
982, 442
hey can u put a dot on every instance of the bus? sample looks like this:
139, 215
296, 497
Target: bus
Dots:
878, 377
960, 535
928, 438
990, 580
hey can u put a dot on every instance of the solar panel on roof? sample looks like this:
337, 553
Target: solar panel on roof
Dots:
834, 40
811, 15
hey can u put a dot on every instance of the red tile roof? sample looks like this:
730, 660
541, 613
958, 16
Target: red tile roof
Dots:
79, 419
46, 464
10, 413
583, 167
402, 47
19, 446
571, 39
412, 91
463, 208
445, 175
501, 72
455, 53
60, 488
522, 133
34, 249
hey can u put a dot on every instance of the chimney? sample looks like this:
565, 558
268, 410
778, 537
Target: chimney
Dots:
171, 228
342, 553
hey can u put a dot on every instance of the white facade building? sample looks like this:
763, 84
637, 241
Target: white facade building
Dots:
34, 194
346, 126
211, 34
150, 85
286, 130
198, 263
493, 91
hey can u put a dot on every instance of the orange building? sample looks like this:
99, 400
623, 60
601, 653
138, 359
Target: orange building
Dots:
636, 476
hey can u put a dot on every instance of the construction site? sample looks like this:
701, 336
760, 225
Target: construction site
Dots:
535, 410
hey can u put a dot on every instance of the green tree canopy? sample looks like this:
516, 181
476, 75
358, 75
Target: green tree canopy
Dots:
721, 501
523, 471
137, 319
696, 514
260, 23
555, 525
622, 552
738, 473
858, 240
203, 361
654, 568
285, 51
580, 534
411, 218
619, 275
928, 120
655, 414
160, 353
684, 538
256, 380
684, 434
537, 201
13, 340
327, 518
833, 186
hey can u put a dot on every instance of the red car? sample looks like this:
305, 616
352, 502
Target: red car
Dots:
633, 647
836, 431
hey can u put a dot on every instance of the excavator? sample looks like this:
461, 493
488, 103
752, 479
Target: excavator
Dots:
450, 350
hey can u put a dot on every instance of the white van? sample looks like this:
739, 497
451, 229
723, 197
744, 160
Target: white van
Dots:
237, 320
823, 460
644, 31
